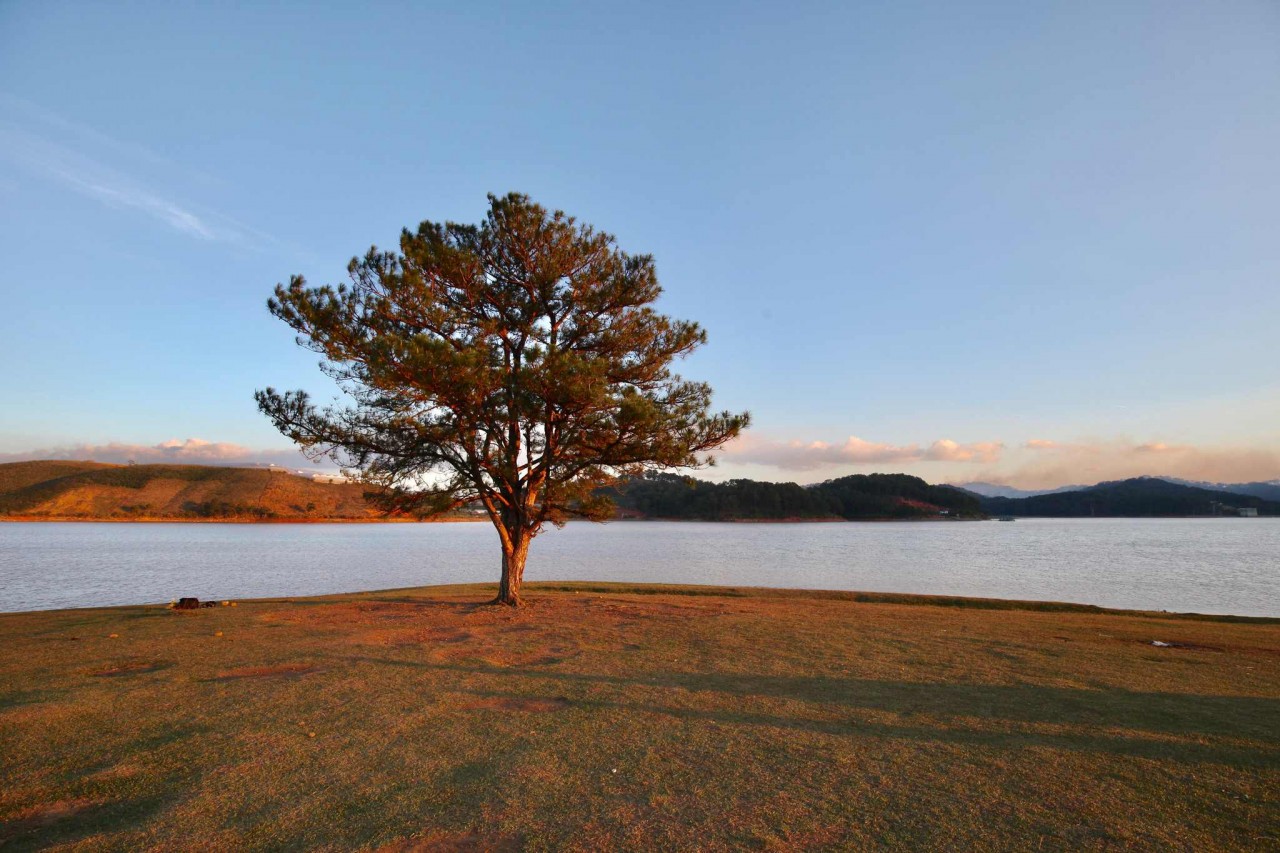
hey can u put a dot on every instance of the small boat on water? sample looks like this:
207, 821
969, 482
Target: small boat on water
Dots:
1006, 518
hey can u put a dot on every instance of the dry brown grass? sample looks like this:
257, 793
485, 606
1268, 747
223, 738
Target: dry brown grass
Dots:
602, 718
19, 475
86, 490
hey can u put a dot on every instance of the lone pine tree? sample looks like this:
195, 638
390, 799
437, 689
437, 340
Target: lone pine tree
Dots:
516, 363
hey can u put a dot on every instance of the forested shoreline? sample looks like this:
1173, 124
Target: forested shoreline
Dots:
860, 496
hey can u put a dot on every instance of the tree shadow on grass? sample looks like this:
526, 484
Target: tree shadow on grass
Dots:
1153, 725
425, 603
1088, 741
93, 813
70, 821
463, 607
29, 697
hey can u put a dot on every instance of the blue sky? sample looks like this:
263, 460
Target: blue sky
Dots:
1025, 242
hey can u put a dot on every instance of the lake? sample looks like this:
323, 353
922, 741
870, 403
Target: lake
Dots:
1207, 565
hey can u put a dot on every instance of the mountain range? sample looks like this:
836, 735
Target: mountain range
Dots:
999, 490
1268, 490
97, 491
1137, 497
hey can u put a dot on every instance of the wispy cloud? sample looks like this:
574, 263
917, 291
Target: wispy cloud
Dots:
122, 195
92, 179
76, 157
90, 138
190, 451
808, 456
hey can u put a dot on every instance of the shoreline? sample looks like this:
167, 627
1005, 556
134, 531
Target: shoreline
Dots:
533, 589
82, 520
76, 520
17, 519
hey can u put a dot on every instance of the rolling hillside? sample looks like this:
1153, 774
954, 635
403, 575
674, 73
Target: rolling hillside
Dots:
90, 490
1136, 498
19, 475
96, 491
1267, 490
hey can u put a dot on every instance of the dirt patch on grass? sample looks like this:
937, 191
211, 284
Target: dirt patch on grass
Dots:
279, 670
447, 637
1179, 643
544, 660
346, 614
652, 609
117, 771
455, 842
1174, 644
386, 637
524, 704
131, 668
44, 815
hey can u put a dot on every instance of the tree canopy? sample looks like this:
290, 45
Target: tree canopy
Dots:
517, 363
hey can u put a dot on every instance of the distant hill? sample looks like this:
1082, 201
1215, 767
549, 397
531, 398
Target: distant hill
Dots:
997, 490
862, 496
19, 475
91, 490
1139, 497
1269, 490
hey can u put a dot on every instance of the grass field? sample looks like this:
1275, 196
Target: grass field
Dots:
610, 717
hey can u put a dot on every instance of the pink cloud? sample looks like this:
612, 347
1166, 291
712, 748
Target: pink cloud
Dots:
191, 451
1090, 461
806, 456
946, 450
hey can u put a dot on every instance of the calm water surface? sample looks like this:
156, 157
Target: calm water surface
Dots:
1204, 565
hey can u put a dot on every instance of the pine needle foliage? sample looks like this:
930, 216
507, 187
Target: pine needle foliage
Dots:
517, 363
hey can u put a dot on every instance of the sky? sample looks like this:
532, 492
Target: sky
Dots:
1026, 243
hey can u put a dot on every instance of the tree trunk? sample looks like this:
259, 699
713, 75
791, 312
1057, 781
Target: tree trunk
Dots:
515, 550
